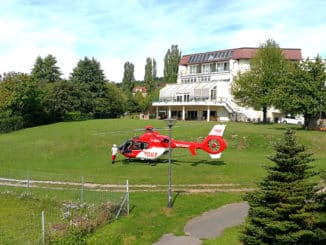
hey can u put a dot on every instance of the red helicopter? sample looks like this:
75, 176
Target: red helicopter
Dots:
152, 145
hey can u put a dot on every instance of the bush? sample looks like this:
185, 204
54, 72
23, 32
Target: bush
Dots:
77, 116
79, 220
8, 124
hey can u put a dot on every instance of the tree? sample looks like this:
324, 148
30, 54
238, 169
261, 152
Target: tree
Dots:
150, 74
256, 88
89, 79
89, 72
303, 91
128, 80
279, 209
143, 102
113, 104
61, 98
20, 96
171, 64
45, 70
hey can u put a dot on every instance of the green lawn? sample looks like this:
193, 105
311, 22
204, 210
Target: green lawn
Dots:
20, 217
150, 218
67, 151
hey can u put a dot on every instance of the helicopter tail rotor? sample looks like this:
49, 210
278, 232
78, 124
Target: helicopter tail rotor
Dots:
214, 143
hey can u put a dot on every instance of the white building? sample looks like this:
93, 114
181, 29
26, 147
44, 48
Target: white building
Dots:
203, 88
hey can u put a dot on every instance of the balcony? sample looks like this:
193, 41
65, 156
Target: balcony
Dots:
193, 101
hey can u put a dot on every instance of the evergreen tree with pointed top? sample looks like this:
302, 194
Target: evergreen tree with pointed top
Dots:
46, 70
280, 209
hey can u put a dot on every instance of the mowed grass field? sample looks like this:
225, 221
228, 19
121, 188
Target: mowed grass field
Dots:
67, 151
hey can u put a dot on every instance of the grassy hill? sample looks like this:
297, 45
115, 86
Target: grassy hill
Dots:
67, 151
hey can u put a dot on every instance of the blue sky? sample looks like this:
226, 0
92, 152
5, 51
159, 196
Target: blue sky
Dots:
114, 32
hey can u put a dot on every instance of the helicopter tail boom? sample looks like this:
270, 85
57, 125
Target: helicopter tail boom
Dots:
212, 144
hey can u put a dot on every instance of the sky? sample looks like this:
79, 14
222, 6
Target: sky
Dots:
116, 31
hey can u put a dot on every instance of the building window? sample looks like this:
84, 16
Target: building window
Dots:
205, 68
213, 67
199, 69
179, 98
226, 66
186, 97
220, 67
192, 69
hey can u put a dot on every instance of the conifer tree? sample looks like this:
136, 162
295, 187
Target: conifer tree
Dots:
46, 70
280, 209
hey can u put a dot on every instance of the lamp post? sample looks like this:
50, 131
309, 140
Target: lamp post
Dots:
170, 122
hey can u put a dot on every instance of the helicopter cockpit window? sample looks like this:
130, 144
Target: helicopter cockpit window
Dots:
141, 145
144, 145
126, 147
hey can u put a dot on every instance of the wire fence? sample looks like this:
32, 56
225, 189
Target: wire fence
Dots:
42, 212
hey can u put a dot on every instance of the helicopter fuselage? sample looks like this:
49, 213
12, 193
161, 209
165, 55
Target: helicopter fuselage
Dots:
152, 145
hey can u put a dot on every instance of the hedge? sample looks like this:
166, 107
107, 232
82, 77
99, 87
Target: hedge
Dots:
9, 124
77, 116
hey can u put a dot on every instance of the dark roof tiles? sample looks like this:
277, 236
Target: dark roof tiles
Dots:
235, 54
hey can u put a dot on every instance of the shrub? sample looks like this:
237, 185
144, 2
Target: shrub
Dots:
77, 116
80, 219
8, 124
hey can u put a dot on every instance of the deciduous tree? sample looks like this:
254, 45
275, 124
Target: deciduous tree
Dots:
256, 87
171, 64
303, 91
61, 98
128, 80
150, 75
21, 96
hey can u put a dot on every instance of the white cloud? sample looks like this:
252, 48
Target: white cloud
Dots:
114, 32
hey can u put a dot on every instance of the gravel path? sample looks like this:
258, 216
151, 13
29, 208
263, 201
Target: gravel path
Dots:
196, 188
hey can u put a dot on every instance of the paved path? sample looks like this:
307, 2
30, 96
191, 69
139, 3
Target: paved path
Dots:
209, 225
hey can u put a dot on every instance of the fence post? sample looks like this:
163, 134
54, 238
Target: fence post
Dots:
82, 190
28, 182
43, 228
127, 189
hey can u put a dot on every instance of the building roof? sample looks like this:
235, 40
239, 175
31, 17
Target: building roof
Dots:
141, 89
235, 54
